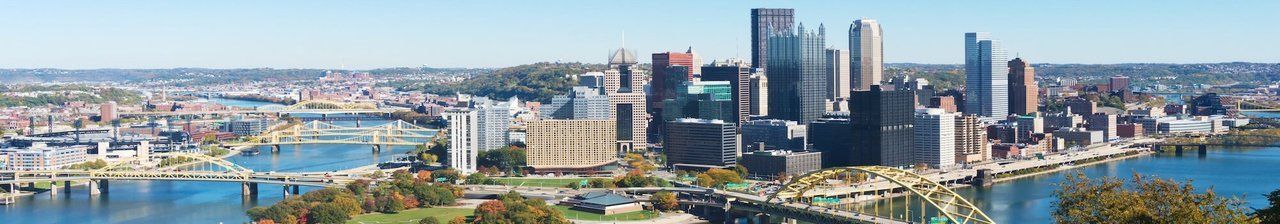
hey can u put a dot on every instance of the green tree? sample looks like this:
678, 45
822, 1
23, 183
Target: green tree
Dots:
1270, 214
429, 220
1144, 200
741, 170
328, 213
665, 201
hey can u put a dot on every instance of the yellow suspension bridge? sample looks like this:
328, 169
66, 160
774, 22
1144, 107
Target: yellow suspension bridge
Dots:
195, 167
395, 133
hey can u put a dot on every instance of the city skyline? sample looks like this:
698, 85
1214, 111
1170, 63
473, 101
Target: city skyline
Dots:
87, 35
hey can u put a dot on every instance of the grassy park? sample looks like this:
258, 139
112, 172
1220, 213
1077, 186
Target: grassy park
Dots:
412, 215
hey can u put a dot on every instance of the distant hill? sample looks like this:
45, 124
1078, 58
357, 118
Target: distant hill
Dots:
534, 82
196, 76
951, 75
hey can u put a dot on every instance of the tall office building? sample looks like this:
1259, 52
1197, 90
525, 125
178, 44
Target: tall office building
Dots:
660, 83
578, 146
580, 103
866, 54
882, 123
986, 76
700, 144
797, 74
935, 138
838, 74
1024, 97
494, 120
738, 73
1105, 123
764, 22
464, 130
971, 140
624, 84
759, 91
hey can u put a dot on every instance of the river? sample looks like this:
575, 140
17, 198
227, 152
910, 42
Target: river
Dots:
193, 202
1241, 172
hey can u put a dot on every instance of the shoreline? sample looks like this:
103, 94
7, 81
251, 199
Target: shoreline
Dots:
1062, 168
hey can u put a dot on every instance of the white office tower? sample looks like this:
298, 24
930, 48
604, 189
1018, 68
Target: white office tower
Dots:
986, 76
935, 138
463, 130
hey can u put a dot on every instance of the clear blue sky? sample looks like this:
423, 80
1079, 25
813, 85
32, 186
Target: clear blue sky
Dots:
372, 34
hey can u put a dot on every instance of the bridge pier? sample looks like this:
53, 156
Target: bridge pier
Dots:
66, 187
290, 190
275, 148
53, 189
377, 148
97, 187
248, 189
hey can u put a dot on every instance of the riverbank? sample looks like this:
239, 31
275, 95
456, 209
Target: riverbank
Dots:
1064, 168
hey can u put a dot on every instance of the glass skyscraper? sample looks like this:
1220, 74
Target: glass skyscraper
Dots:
764, 22
986, 76
866, 54
797, 74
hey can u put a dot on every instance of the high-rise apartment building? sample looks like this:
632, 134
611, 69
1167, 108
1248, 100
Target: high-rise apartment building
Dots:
494, 120
838, 74
986, 76
738, 73
971, 140
882, 122
764, 22
570, 145
935, 138
1118, 83
797, 74
866, 54
1024, 97
624, 84
700, 144
463, 133
108, 111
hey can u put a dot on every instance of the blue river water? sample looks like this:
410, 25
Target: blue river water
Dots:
193, 202
1246, 173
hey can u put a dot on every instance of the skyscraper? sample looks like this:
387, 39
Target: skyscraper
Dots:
759, 91
935, 138
663, 76
986, 76
763, 23
797, 74
738, 73
624, 84
866, 54
838, 72
703, 100
882, 123
463, 134
1024, 97
971, 140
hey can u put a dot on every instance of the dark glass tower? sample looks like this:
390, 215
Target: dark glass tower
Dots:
738, 75
761, 21
797, 74
883, 130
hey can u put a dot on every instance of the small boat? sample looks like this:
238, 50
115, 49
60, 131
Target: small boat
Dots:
250, 152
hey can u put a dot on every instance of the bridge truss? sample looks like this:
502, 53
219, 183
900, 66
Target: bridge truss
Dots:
831, 188
181, 167
398, 133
